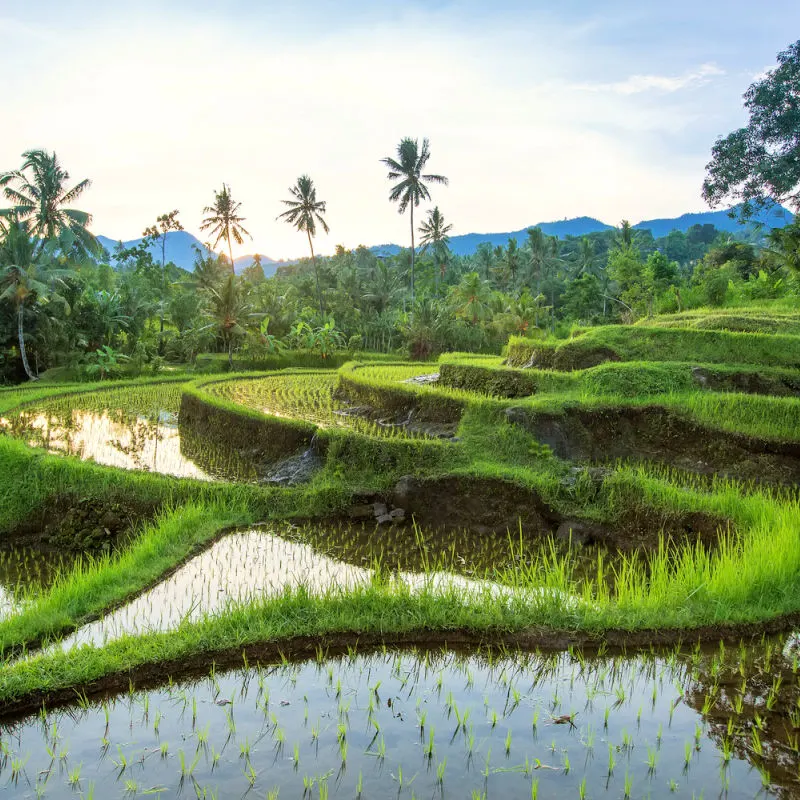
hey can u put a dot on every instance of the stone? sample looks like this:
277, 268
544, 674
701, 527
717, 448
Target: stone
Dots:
384, 518
361, 511
397, 514
575, 531
379, 509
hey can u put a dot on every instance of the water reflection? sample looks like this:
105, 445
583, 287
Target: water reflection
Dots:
25, 571
252, 564
397, 724
136, 430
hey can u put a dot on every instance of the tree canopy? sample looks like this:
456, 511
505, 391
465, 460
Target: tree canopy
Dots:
760, 163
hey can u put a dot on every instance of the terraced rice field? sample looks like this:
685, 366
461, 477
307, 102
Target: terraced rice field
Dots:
635, 485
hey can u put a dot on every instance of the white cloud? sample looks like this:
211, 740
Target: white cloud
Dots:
636, 84
158, 115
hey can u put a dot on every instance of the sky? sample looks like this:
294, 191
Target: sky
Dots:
535, 111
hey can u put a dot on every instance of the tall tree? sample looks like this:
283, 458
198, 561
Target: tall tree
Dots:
38, 190
625, 235
158, 235
304, 212
585, 256
470, 298
435, 236
27, 275
224, 221
761, 162
231, 312
538, 249
410, 190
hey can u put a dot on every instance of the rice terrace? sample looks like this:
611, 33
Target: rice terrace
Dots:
506, 515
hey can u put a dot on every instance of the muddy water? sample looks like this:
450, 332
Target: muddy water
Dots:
426, 725
253, 564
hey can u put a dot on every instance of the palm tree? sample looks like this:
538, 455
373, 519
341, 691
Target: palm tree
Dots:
471, 298
434, 235
39, 193
231, 312
585, 260
625, 235
784, 246
411, 189
304, 212
538, 247
26, 272
157, 234
224, 220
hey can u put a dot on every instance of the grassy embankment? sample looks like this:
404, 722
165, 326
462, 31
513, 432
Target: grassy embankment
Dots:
753, 574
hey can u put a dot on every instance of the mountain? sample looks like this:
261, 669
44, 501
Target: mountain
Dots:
775, 217
467, 243
181, 244
181, 250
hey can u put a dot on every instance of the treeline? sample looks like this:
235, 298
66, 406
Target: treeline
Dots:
65, 302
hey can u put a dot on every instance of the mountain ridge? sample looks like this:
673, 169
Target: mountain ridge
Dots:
180, 248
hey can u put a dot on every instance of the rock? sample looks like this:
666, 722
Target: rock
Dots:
296, 469
403, 489
577, 532
397, 514
380, 509
384, 518
361, 511
700, 375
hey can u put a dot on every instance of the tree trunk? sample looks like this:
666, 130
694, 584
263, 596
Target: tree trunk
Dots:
412, 256
316, 274
163, 292
22, 352
230, 253
230, 355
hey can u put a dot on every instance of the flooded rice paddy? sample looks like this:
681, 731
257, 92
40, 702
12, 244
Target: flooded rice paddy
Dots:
702, 723
249, 565
313, 397
26, 571
136, 428
139, 428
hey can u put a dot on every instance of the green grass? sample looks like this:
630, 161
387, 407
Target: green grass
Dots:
94, 586
749, 578
766, 319
640, 343
753, 575
759, 416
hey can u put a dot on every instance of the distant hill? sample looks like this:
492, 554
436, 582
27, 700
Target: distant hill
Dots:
181, 251
467, 243
180, 244
775, 217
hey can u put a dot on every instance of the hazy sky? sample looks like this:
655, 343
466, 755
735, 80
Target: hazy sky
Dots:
535, 114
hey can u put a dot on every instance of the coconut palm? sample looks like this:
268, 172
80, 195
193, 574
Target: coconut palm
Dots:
434, 236
585, 261
411, 189
625, 235
471, 298
40, 195
304, 212
27, 273
224, 221
231, 312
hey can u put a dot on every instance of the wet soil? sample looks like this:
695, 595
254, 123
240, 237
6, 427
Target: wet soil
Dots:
495, 507
784, 384
85, 525
653, 433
